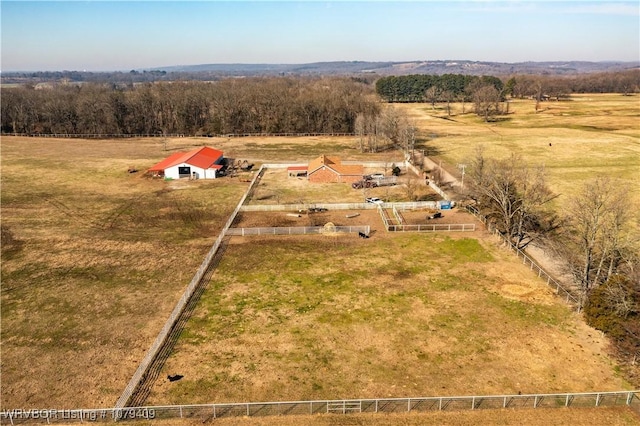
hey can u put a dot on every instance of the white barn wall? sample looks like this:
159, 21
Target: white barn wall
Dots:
173, 172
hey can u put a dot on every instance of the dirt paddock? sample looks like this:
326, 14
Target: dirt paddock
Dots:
347, 218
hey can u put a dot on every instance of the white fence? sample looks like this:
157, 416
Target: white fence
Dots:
336, 206
464, 227
297, 230
208, 412
305, 207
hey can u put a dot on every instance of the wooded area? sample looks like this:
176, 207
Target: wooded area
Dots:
458, 87
232, 106
432, 88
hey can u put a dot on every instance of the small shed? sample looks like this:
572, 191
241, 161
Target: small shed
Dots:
200, 163
297, 171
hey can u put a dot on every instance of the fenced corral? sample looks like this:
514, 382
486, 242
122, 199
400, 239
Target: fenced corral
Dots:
395, 222
208, 412
298, 230
561, 291
138, 384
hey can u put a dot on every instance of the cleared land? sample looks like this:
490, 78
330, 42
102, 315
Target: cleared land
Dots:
396, 315
94, 259
576, 139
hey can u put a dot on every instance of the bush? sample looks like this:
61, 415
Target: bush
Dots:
613, 308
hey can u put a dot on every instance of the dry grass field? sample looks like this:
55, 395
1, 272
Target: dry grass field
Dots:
585, 136
94, 259
322, 317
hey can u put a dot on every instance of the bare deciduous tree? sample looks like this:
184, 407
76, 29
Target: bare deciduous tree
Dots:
596, 239
513, 197
432, 95
486, 100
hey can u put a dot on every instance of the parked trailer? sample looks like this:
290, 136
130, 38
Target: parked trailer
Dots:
387, 181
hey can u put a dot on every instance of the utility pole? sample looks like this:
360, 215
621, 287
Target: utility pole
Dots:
462, 167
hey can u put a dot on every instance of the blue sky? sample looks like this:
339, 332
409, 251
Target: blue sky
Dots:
123, 35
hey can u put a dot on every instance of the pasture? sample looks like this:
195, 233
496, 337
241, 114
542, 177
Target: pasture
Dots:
94, 259
575, 139
320, 317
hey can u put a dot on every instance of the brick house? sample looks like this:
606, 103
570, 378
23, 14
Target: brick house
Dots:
326, 169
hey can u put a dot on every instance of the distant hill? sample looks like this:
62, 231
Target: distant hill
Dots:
369, 70
404, 68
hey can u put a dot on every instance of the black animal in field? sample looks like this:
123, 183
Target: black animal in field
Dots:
174, 378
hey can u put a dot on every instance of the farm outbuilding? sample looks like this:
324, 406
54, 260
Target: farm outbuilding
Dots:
297, 171
200, 163
326, 169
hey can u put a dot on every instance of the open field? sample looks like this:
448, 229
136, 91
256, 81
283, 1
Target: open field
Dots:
94, 259
294, 149
396, 315
590, 135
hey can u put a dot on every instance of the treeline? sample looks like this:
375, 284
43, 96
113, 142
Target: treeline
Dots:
433, 88
231, 106
457, 87
115, 77
623, 82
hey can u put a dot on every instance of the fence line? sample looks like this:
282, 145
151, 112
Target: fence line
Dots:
391, 226
96, 135
179, 308
168, 135
335, 206
305, 207
369, 164
569, 297
207, 412
297, 230
465, 227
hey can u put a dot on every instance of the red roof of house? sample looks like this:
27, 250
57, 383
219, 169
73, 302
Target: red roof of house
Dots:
204, 157
297, 168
